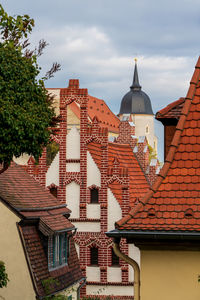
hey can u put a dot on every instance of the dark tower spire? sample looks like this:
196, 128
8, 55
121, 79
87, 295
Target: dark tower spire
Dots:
135, 85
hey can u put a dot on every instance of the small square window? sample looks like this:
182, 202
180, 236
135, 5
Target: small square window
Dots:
94, 195
94, 256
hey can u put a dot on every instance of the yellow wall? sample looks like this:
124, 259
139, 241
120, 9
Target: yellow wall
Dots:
11, 253
170, 275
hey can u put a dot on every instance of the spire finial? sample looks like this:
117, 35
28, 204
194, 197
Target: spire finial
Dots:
135, 85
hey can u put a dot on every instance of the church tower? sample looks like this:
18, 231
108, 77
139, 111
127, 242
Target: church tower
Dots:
136, 105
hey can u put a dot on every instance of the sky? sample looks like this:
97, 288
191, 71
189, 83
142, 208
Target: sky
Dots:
96, 41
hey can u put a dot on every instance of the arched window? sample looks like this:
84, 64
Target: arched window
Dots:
53, 191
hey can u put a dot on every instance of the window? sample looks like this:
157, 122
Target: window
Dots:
147, 129
94, 256
53, 191
94, 195
57, 250
115, 259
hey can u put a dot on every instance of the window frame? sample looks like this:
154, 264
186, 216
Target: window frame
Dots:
58, 250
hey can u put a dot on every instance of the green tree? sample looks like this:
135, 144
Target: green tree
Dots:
3, 275
26, 112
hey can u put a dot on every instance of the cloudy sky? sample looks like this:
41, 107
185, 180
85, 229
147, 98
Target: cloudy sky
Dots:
97, 40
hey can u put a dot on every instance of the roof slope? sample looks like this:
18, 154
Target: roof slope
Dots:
138, 184
173, 204
172, 110
32, 202
98, 107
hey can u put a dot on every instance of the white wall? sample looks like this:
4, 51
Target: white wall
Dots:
93, 173
93, 274
141, 121
73, 144
113, 206
109, 290
73, 198
73, 167
52, 175
87, 226
114, 274
134, 253
93, 211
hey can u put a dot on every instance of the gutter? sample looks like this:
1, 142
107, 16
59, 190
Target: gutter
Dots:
133, 264
156, 235
80, 286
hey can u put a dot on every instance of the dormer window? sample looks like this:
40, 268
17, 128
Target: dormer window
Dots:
94, 195
189, 213
57, 250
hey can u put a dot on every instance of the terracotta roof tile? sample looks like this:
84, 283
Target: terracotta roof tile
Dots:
98, 107
127, 160
172, 110
179, 191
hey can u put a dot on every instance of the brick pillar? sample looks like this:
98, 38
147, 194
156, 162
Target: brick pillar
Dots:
62, 150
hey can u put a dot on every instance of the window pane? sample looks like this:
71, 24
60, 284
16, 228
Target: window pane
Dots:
94, 256
94, 195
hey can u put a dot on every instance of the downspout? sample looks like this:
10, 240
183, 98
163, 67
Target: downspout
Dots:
133, 264
80, 286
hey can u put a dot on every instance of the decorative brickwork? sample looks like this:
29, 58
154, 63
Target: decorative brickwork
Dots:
120, 175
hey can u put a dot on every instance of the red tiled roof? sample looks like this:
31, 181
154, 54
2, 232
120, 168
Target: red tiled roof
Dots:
138, 185
22, 191
54, 223
172, 110
174, 201
27, 197
98, 108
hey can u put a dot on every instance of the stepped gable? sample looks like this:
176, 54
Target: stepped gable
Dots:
172, 110
173, 204
40, 212
138, 184
98, 108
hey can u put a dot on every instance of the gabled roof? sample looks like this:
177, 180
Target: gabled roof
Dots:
173, 204
39, 212
172, 110
98, 107
138, 184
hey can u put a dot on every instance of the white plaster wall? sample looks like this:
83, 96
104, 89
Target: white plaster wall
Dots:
134, 253
93, 211
52, 175
56, 100
114, 274
73, 167
77, 249
109, 290
87, 226
73, 198
22, 160
71, 291
141, 121
93, 274
93, 173
73, 144
114, 210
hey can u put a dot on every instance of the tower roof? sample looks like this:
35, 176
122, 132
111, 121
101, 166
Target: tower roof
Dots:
136, 101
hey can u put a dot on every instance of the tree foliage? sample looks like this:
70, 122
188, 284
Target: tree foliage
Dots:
26, 114
3, 275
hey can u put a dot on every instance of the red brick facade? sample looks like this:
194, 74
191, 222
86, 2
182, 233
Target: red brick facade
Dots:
120, 165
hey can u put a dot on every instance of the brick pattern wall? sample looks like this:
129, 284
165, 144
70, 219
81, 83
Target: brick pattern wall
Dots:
108, 175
